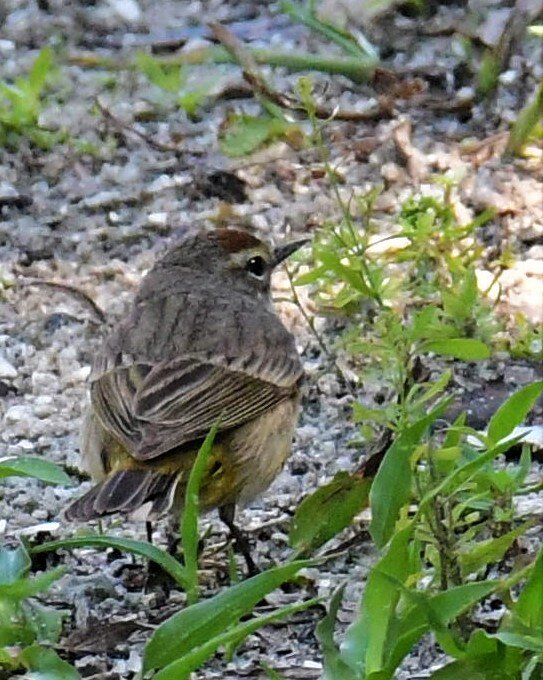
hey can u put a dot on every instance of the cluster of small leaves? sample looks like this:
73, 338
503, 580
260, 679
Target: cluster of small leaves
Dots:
21, 103
172, 83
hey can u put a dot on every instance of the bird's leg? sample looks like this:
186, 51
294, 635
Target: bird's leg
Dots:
149, 531
226, 514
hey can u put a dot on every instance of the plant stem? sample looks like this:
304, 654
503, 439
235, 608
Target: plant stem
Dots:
357, 69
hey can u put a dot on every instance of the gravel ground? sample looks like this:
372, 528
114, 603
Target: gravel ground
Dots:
97, 223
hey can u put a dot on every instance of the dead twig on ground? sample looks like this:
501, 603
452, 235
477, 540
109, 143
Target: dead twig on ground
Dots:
124, 128
75, 292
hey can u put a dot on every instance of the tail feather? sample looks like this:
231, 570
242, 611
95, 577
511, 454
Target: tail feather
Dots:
125, 491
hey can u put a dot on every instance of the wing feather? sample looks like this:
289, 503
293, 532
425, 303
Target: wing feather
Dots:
178, 402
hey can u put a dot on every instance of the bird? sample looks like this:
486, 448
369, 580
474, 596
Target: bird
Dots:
201, 345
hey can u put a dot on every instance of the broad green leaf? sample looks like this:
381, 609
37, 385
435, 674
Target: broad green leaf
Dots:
14, 564
513, 411
32, 466
467, 349
529, 607
451, 603
182, 668
368, 637
192, 627
28, 587
483, 553
170, 565
327, 511
14, 634
528, 642
391, 487
45, 664
437, 612
334, 666
485, 667
189, 519
46, 622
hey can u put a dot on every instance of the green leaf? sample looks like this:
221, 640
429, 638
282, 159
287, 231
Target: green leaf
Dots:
311, 276
14, 634
169, 77
435, 613
28, 587
189, 518
368, 638
463, 474
334, 666
513, 411
487, 552
485, 667
14, 564
170, 565
362, 414
528, 642
45, 622
45, 664
529, 607
192, 627
183, 667
467, 349
270, 672
526, 121
41, 68
346, 273
32, 466
244, 134
391, 488
327, 511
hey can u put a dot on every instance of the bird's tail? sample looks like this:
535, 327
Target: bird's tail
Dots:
126, 491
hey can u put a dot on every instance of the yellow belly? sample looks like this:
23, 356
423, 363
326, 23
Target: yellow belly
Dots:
242, 464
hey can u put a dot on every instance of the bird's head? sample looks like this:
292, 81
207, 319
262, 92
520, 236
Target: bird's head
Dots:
231, 255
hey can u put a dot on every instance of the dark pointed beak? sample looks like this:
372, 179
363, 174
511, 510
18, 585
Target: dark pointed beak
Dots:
282, 252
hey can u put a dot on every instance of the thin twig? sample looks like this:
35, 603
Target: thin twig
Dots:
75, 292
124, 128
309, 321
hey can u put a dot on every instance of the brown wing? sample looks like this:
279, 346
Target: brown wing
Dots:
153, 409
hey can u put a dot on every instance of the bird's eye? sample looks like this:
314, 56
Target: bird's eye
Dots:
256, 266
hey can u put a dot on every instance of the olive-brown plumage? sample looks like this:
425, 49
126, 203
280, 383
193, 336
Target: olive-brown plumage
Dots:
200, 344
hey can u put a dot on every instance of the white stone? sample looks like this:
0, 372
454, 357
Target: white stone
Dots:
158, 219
6, 369
17, 413
129, 10
44, 406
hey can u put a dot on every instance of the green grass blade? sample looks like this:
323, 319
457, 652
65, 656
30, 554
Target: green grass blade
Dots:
170, 565
189, 521
192, 627
33, 466
183, 667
